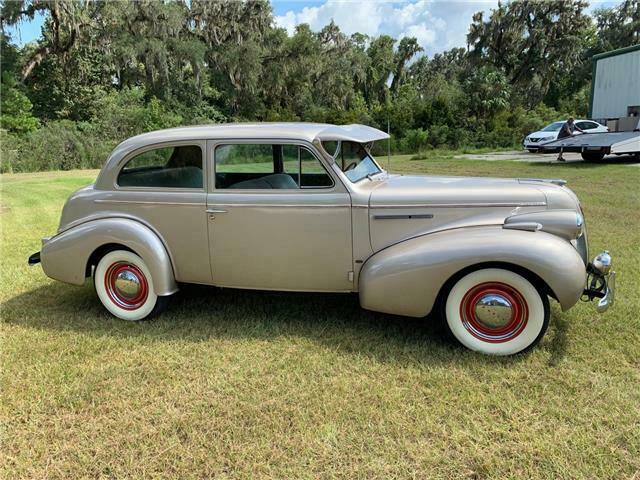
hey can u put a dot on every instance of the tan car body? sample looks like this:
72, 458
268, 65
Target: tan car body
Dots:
394, 239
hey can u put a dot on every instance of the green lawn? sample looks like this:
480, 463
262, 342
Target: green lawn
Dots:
233, 384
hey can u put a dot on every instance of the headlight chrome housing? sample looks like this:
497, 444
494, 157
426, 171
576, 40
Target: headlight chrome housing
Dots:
580, 223
602, 262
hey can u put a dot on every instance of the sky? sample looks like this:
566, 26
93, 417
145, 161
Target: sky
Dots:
438, 25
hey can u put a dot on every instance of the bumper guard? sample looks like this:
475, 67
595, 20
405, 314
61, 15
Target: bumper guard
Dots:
601, 282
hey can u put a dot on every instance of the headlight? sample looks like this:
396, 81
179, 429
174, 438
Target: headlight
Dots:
579, 222
602, 262
544, 139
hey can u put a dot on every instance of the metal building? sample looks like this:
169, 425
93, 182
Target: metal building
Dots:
615, 88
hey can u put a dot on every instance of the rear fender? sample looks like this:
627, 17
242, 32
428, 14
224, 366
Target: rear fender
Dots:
65, 256
405, 278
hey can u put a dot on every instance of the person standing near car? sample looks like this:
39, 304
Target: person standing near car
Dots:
567, 130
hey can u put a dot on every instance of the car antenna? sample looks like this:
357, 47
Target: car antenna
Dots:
388, 145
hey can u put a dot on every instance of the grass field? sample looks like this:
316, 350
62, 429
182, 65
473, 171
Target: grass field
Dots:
231, 384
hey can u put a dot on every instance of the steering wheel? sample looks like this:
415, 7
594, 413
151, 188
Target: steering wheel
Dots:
351, 166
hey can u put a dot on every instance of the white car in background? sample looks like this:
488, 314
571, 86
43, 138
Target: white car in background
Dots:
550, 133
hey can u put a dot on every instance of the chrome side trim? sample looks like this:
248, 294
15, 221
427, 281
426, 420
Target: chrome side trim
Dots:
285, 205
525, 226
147, 202
461, 205
402, 217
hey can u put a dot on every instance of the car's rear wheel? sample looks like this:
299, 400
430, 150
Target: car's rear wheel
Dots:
496, 311
125, 287
592, 156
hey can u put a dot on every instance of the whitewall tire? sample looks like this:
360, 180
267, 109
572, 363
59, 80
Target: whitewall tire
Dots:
125, 287
496, 312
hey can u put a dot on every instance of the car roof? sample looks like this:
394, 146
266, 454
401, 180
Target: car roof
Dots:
280, 131
267, 131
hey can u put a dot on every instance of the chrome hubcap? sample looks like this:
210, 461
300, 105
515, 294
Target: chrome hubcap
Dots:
127, 284
493, 311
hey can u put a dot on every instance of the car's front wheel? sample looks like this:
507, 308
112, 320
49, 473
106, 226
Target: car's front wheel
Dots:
496, 311
125, 287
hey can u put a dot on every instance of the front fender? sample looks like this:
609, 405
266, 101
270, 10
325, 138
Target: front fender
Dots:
65, 256
405, 278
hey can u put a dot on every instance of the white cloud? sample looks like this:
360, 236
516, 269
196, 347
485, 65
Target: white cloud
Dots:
437, 25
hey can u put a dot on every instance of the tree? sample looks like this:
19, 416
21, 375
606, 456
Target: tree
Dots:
531, 42
407, 49
380, 67
66, 19
619, 26
487, 91
16, 112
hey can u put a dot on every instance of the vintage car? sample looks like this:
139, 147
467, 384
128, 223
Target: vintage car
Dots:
306, 207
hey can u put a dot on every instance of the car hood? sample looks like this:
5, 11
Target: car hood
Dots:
403, 207
542, 134
456, 191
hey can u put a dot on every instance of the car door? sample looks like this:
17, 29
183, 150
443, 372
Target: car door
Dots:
278, 219
164, 185
587, 126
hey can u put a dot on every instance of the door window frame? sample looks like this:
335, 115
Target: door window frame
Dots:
202, 144
336, 187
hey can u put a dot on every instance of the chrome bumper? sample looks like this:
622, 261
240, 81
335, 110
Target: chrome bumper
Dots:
601, 282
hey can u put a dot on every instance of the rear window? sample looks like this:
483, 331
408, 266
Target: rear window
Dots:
166, 167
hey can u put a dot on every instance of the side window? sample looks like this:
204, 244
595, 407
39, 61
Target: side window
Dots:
167, 167
268, 167
585, 125
290, 161
244, 158
331, 147
312, 173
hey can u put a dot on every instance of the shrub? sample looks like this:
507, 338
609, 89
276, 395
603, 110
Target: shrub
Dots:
416, 139
59, 145
16, 109
123, 114
9, 151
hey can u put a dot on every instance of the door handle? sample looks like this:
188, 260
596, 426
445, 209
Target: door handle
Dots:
212, 212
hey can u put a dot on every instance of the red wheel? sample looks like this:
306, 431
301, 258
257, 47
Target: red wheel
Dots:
494, 312
126, 285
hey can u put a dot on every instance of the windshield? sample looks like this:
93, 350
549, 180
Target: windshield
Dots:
353, 159
554, 127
